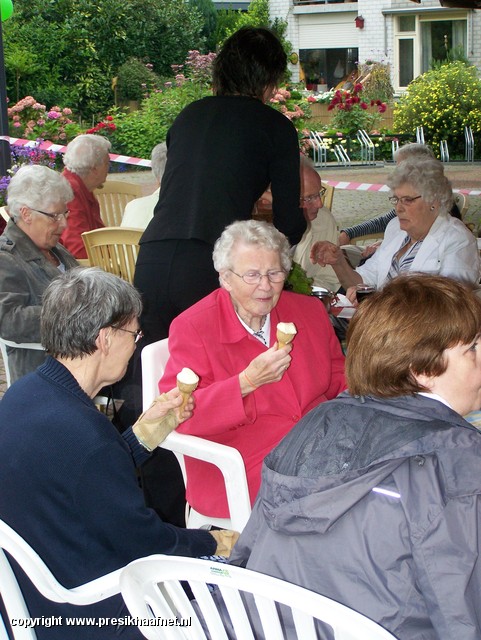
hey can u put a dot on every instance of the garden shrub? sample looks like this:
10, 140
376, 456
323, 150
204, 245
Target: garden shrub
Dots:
138, 132
135, 79
443, 101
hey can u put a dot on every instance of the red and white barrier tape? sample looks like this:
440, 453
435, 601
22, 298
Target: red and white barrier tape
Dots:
45, 145
365, 186
140, 162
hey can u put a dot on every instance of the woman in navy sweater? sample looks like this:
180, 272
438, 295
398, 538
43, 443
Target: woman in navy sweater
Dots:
68, 478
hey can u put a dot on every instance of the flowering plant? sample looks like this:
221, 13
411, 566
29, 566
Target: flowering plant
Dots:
103, 128
31, 120
322, 98
352, 113
291, 103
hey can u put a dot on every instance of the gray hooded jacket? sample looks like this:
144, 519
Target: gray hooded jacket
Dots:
376, 504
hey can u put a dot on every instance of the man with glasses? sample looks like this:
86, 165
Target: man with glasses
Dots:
31, 257
321, 225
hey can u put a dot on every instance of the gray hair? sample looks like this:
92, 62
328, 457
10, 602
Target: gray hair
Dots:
413, 149
86, 152
158, 159
36, 187
426, 175
79, 303
250, 232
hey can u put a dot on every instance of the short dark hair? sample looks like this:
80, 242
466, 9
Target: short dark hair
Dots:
403, 331
79, 303
251, 60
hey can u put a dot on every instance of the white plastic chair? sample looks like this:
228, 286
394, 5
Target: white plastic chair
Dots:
151, 589
17, 345
227, 459
43, 580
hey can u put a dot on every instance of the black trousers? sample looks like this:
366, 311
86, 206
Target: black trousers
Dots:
171, 275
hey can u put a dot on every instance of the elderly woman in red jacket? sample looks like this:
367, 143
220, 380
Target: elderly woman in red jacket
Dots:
251, 392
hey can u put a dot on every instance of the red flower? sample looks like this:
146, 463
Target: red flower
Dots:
109, 118
363, 105
357, 87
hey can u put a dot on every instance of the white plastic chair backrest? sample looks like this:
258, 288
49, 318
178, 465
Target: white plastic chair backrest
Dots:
43, 580
17, 345
5, 215
151, 588
227, 459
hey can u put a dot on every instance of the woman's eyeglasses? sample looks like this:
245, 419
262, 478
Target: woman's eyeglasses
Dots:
254, 277
406, 201
53, 216
138, 334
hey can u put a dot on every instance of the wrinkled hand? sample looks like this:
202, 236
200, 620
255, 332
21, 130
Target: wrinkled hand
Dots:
269, 366
226, 540
162, 417
370, 249
343, 239
325, 252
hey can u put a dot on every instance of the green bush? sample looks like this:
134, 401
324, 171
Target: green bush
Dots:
138, 132
443, 101
135, 79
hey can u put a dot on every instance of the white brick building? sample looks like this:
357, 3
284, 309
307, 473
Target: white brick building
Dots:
330, 41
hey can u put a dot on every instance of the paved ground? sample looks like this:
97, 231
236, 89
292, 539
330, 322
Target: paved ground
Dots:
350, 207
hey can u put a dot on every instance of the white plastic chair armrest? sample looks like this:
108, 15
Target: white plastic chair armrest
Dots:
230, 463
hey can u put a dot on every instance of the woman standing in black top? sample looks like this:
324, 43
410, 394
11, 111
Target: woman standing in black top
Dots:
223, 152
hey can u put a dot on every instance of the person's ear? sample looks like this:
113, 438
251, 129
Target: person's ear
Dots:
425, 381
104, 339
26, 214
224, 281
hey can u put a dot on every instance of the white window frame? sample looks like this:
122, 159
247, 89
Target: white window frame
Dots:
417, 40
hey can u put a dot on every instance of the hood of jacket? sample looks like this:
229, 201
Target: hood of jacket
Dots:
343, 449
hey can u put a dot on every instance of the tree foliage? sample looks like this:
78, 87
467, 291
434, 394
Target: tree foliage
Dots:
82, 43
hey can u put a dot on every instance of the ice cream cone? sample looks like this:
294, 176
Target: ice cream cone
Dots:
286, 332
187, 382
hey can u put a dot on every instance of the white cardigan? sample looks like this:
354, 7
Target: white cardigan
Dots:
449, 249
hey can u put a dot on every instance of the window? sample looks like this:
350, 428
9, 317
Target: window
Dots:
323, 69
420, 40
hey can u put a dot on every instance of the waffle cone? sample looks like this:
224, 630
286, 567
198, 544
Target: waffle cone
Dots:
186, 389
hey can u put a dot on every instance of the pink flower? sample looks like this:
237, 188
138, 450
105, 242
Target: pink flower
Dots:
17, 124
53, 115
67, 111
311, 99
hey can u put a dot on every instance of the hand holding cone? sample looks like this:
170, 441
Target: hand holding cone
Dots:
286, 332
187, 382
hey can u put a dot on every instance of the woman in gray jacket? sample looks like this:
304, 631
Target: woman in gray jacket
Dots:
31, 257
374, 498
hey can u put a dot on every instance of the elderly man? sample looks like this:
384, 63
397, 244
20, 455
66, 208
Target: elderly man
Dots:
321, 225
86, 163
140, 211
